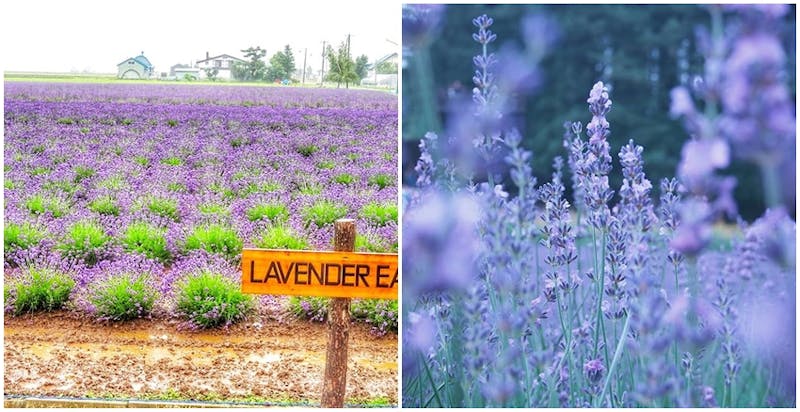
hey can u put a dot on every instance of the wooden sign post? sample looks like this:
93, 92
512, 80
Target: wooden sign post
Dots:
341, 274
335, 381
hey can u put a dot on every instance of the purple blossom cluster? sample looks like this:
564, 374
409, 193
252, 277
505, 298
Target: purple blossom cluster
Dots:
112, 179
514, 295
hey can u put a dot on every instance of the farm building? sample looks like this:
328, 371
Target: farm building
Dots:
185, 72
223, 63
375, 77
135, 68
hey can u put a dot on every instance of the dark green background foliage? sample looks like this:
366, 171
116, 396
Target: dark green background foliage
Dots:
281, 65
642, 44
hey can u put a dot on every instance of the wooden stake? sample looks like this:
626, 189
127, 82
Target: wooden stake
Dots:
335, 381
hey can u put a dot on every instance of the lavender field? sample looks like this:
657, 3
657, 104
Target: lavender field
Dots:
160, 183
567, 290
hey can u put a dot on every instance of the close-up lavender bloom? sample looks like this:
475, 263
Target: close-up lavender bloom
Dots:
759, 113
596, 290
420, 22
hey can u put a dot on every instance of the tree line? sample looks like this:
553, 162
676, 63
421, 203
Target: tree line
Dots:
340, 67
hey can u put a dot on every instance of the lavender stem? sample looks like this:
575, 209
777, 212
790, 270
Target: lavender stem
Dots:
617, 355
771, 182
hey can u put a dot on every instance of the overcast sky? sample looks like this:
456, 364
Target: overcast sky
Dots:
84, 35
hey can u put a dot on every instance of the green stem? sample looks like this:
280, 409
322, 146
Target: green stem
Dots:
430, 378
552, 385
675, 344
771, 182
427, 101
561, 317
617, 355
457, 351
600, 322
616, 380
718, 51
569, 330
536, 257
577, 240
692, 269
725, 395
594, 249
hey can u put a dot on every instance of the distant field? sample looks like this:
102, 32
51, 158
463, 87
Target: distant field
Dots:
112, 78
78, 77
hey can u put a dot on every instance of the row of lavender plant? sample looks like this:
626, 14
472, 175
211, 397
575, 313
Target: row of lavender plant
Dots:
166, 93
607, 299
104, 181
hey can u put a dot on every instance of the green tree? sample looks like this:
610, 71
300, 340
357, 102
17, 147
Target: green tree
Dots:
281, 65
361, 66
342, 69
387, 67
252, 70
211, 73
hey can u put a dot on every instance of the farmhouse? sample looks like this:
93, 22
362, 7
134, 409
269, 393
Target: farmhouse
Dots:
223, 63
135, 68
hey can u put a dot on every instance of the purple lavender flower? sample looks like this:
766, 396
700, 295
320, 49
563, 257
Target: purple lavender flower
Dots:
694, 231
422, 331
420, 22
426, 167
594, 370
599, 106
597, 163
636, 206
700, 158
576, 149
439, 244
522, 327
187, 161
484, 89
759, 114
681, 103
484, 95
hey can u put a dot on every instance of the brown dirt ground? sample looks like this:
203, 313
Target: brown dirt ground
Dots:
61, 354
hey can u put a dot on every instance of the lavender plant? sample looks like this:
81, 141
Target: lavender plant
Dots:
515, 295
175, 181
209, 299
123, 297
38, 289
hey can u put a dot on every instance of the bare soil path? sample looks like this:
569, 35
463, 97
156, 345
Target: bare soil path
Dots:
60, 354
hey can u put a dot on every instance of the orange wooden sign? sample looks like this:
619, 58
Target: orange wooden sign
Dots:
317, 273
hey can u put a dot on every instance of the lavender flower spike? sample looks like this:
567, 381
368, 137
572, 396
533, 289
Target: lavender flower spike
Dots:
597, 163
484, 89
599, 105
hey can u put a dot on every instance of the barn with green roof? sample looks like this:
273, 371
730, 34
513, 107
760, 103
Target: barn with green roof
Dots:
135, 68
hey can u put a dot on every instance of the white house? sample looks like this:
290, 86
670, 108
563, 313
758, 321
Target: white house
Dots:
223, 63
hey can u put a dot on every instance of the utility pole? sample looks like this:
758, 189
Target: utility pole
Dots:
322, 75
305, 55
397, 74
347, 82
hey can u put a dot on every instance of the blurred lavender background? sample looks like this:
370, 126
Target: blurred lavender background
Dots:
572, 267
